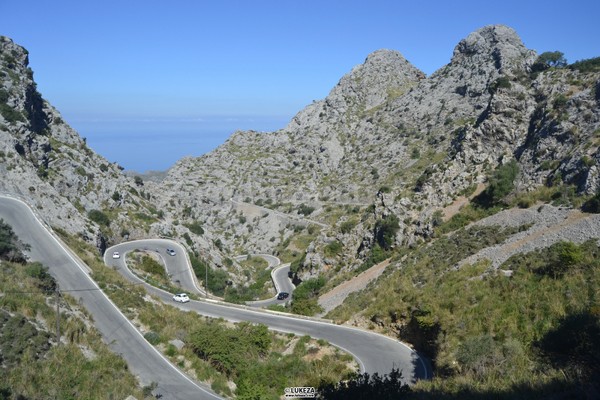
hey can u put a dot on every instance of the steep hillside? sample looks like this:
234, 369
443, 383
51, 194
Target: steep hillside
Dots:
47, 163
390, 144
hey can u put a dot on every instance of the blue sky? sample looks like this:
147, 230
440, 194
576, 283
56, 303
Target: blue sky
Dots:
147, 82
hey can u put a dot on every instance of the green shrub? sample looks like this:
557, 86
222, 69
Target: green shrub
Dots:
195, 227
99, 217
305, 210
333, 249
11, 247
415, 153
305, 296
230, 350
588, 65
10, 114
502, 82
501, 184
592, 205
385, 231
152, 266
347, 226
153, 338
217, 279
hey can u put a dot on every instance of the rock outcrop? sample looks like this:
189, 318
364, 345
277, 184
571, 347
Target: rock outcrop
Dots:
386, 142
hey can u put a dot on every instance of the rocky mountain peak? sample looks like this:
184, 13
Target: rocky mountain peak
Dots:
384, 73
497, 43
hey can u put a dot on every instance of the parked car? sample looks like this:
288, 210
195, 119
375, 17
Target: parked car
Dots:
181, 298
171, 252
282, 295
116, 255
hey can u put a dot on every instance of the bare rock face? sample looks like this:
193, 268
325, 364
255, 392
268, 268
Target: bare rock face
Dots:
389, 140
46, 163
386, 142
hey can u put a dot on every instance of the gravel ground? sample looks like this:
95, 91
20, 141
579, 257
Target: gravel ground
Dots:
549, 225
337, 295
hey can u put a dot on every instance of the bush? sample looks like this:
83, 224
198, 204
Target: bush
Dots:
217, 279
305, 296
10, 114
231, 350
347, 226
333, 249
592, 205
502, 82
99, 217
385, 231
305, 210
365, 386
501, 184
44, 280
153, 338
11, 248
195, 227
152, 266
588, 65
415, 153
573, 347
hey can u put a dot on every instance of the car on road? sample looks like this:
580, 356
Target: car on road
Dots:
282, 295
116, 254
171, 252
181, 298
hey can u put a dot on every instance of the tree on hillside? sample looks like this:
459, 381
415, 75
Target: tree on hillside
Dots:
549, 59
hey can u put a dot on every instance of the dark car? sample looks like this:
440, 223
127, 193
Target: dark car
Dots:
282, 295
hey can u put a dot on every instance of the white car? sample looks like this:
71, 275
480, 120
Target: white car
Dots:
181, 298
171, 252
116, 255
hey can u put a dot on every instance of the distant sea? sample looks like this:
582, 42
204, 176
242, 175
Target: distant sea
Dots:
155, 144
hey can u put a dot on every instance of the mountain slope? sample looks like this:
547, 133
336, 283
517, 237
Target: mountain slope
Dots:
46, 162
389, 141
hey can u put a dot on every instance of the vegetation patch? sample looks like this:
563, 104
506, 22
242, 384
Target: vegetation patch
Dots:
212, 347
29, 356
488, 333
306, 295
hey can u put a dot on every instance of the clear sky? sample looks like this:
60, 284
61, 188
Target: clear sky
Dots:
147, 82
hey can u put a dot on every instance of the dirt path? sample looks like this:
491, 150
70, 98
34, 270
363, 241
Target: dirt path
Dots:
460, 201
337, 295
549, 226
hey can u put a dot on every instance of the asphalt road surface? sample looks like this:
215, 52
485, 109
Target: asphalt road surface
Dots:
122, 337
374, 352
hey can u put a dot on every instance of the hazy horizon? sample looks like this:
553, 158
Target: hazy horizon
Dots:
260, 62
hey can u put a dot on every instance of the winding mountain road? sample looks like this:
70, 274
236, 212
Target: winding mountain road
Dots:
117, 331
373, 352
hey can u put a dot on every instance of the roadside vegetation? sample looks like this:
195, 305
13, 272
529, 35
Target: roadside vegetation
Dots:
29, 354
259, 283
242, 360
526, 333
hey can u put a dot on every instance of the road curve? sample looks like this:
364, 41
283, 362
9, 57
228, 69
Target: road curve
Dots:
122, 337
279, 276
374, 352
